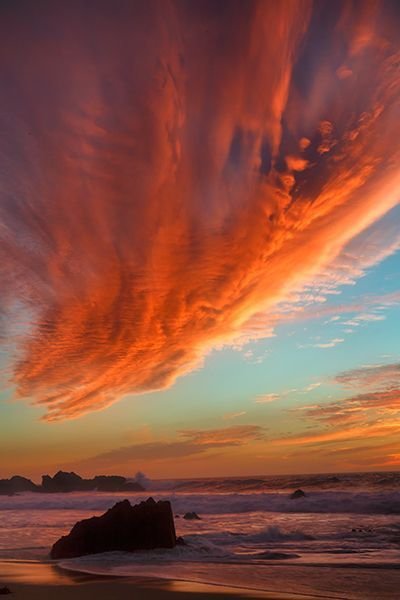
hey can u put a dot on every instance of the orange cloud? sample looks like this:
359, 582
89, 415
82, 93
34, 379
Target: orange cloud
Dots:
189, 443
357, 432
357, 408
153, 198
348, 455
371, 414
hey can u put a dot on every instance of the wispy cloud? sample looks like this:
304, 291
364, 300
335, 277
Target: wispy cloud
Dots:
329, 344
234, 415
350, 433
362, 408
373, 413
332, 319
355, 309
358, 430
272, 397
267, 398
351, 454
312, 386
385, 376
190, 442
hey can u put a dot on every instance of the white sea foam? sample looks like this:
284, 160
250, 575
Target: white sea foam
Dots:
359, 502
274, 534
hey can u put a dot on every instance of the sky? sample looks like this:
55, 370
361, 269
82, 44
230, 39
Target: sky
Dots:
199, 237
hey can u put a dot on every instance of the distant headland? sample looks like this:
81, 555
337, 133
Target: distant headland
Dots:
63, 482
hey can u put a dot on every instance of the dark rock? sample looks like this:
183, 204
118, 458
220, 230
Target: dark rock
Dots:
191, 516
62, 482
22, 484
123, 527
5, 590
17, 484
71, 482
109, 483
298, 494
180, 541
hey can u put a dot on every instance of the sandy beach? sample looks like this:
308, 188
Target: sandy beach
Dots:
132, 590
29, 580
128, 590
35, 581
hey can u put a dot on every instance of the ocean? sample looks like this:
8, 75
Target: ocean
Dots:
251, 534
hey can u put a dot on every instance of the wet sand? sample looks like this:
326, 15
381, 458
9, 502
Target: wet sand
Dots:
32, 580
44, 581
131, 590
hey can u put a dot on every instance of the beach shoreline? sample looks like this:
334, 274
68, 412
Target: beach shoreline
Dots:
35, 580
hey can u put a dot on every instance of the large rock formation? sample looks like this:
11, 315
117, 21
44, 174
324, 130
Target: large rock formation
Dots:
123, 527
71, 482
62, 482
17, 484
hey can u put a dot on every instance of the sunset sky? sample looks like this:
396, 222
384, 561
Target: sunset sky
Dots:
199, 237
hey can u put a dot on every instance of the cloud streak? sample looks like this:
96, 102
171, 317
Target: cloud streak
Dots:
189, 443
372, 413
372, 377
267, 398
168, 174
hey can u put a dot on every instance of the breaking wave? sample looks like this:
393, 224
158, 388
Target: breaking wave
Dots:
357, 502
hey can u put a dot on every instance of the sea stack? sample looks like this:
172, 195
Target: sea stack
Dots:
123, 527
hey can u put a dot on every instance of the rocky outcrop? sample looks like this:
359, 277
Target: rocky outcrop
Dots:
180, 541
124, 527
62, 482
71, 482
4, 591
17, 484
191, 516
298, 494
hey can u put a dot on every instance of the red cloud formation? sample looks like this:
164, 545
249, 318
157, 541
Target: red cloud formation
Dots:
170, 168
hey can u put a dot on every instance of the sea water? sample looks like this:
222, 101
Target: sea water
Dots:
251, 533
